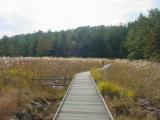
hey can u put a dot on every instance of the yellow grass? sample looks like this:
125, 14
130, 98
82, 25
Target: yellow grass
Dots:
137, 80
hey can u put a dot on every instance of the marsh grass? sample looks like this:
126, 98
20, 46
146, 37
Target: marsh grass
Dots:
133, 80
144, 80
109, 87
16, 75
96, 75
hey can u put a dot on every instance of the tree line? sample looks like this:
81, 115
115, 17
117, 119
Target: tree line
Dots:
136, 40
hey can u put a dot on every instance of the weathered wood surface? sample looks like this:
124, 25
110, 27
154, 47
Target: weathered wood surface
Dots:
83, 101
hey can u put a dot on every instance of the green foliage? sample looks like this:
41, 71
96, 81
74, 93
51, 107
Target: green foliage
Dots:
143, 39
134, 55
136, 40
100, 41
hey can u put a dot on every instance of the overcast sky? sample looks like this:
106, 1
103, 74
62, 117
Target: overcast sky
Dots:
26, 16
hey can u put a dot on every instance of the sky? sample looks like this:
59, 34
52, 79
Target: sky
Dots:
27, 16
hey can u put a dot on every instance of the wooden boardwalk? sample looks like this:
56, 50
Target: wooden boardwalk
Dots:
83, 101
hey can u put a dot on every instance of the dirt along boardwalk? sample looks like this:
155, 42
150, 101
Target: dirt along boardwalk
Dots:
83, 101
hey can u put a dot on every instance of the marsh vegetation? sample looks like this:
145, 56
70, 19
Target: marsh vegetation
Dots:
23, 97
131, 89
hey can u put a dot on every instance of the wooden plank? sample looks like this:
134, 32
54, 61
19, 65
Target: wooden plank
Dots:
82, 101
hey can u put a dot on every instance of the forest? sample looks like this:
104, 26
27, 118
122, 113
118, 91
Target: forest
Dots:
139, 39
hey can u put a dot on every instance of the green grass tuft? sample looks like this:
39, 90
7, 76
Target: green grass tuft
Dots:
109, 89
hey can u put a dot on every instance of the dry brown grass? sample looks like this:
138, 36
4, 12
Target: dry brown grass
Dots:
8, 103
16, 83
143, 78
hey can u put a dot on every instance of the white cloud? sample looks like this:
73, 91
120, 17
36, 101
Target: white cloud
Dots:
22, 16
